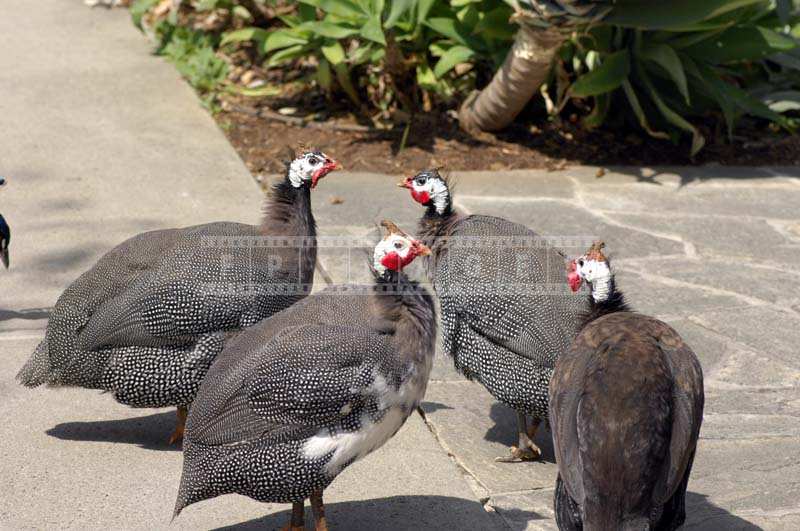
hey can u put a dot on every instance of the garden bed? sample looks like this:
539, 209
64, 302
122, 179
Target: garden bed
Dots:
435, 140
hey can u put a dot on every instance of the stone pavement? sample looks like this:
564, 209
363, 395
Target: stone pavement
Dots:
101, 141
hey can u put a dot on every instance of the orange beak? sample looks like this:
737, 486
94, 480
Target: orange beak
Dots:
405, 183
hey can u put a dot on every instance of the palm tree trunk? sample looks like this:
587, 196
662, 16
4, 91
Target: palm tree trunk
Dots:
525, 69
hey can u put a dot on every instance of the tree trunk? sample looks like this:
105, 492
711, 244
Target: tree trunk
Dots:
518, 80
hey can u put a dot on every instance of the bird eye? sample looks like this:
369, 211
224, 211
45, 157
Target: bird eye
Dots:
580, 262
313, 161
398, 245
421, 181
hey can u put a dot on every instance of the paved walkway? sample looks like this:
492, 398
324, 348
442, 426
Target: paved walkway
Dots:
101, 141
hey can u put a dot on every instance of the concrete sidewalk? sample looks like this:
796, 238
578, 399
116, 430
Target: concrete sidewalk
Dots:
102, 141
99, 141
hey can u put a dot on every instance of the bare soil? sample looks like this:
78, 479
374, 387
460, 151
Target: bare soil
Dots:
436, 140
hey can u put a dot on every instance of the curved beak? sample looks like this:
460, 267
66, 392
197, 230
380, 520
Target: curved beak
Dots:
406, 183
421, 248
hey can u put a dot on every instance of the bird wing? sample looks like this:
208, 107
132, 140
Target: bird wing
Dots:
565, 398
303, 378
687, 411
188, 288
513, 294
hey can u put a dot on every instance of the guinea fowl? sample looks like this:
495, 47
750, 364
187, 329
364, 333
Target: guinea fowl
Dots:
626, 404
507, 339
294, 400
5, 234
146, 322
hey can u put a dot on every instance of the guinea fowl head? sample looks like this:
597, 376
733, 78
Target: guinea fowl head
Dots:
592, 267
310, 167
397, 249
429, 188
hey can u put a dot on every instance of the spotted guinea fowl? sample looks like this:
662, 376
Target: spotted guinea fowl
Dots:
505, 310
148, 319
626, 404
5, 234
294, 400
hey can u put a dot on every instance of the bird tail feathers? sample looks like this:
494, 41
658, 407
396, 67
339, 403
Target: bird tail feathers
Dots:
36, 370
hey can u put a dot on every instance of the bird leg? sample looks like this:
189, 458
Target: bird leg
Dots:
180, 425
527, 450
320, 524
296, 523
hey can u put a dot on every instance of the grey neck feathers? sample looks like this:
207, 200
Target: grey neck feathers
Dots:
411, 309
612, 303
287, 212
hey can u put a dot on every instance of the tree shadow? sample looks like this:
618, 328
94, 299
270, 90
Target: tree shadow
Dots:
702, 515
395, 513
29, 314
505, 431
150, 432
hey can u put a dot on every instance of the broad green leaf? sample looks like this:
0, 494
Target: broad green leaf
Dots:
242, 12
740, 43
495, 24
706, 85
644, 14
324, 74
425, 77
698, 140
324, 28
244, 34
398, 9
664, 56
259, 92
782, 101
139, 8
275, 40
633, 100
360, 54
372, 30
605, 78
342, 8
602, 102
423, 8
449, 27
343, 77
455, 55
292, 52
333, 52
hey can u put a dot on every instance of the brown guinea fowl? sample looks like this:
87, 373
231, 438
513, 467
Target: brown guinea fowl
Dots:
297, 398
146, 322
626, 404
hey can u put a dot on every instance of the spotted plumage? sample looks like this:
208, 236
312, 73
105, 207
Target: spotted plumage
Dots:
626, 404
505, 309
146, 322
295, 399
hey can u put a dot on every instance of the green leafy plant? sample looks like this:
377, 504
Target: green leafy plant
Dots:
387, 55
675, 63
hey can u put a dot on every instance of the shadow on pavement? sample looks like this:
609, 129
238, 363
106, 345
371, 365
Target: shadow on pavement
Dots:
702, 515
29, 314
505, 431
150, 432
391, 514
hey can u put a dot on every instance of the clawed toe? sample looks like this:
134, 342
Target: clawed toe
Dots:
519, 455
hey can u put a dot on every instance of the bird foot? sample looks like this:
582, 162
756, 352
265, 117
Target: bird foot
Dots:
519, 455
180, 426
177, 436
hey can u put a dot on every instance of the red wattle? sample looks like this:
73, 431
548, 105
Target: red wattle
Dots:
422, 198
394, 262
574, 281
